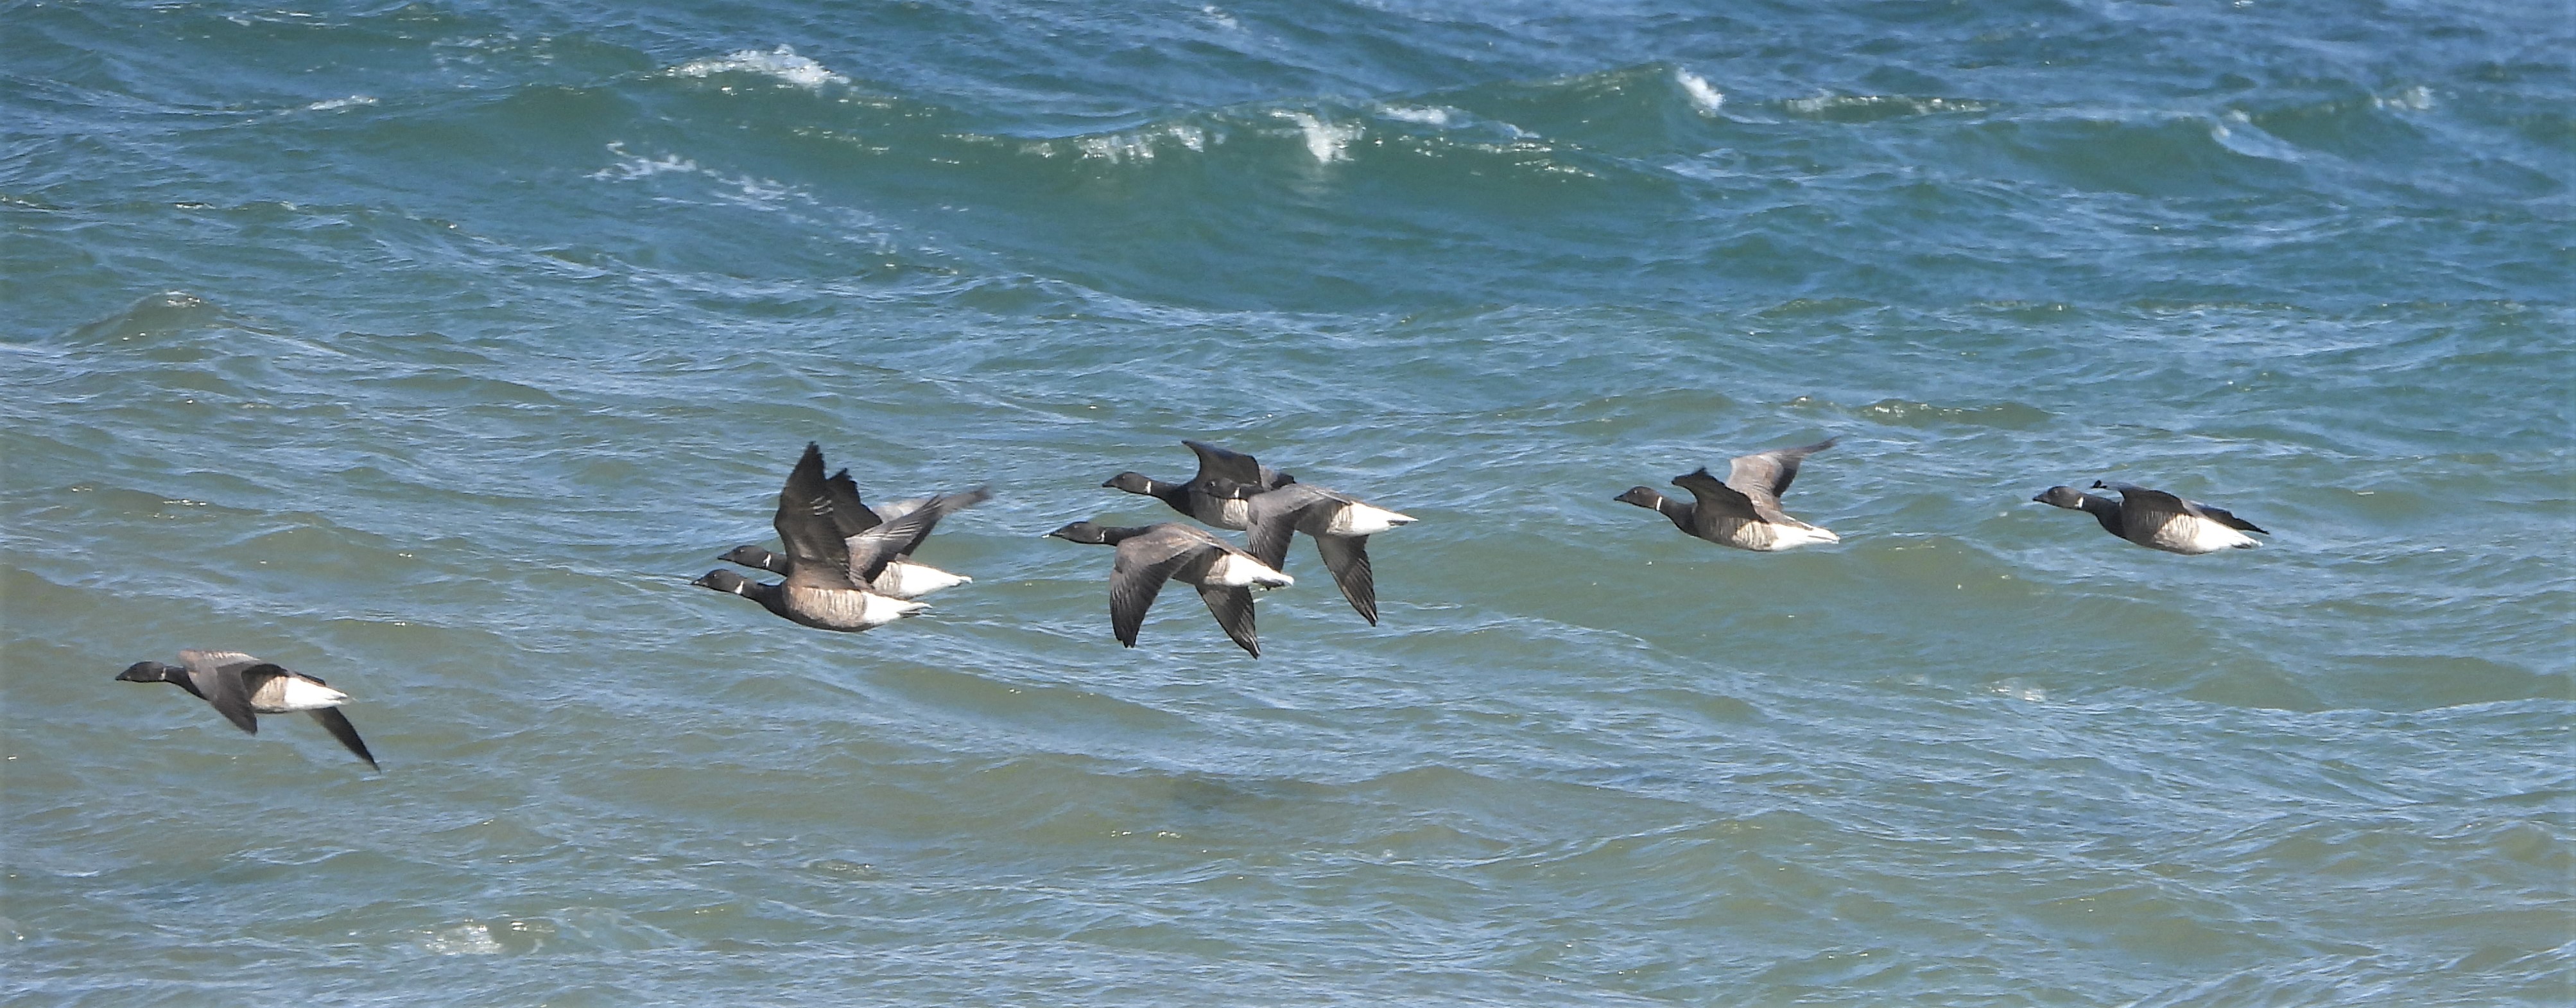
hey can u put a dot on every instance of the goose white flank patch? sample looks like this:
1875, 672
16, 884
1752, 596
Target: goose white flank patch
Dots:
901, 577
2157, 520
828, 575
1194, 499
242, 687
1152, 554
1743, 511
1339, 523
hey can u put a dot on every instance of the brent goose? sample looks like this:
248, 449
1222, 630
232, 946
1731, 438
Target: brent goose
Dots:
1152, 554
1339, 523
826, 574
243, 687
1192, 498
1744, 511
2156, 519
901, 577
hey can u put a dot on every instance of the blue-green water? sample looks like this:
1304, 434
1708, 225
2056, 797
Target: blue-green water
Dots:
431, 348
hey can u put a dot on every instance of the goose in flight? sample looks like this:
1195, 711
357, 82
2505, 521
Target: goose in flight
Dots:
1744, 510
1339, 523
827, 580
901, 578
1151, 554
2156, 519
1193, 499
241, 688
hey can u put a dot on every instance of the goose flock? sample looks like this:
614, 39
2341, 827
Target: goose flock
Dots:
846, 566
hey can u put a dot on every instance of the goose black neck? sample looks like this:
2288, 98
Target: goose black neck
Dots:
2106, 511
1175, 494
1681, 512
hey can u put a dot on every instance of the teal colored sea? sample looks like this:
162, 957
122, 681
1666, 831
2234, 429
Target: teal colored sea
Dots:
433, 348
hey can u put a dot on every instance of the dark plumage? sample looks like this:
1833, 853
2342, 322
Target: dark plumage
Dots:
1744, 510
852, 520
827, 574
241, 687
1193, 499
2156, 519
1150, 555
1339, 523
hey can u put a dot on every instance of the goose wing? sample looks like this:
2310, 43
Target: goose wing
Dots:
850, 516
892, 510
1764, 476
1232, 608
816, 555
1347, 557
872, 550
1145, 561
1716, 500
227, 679
2156, 507
338, 725
2142, 508
1218, 463
2221, 516
1272, 518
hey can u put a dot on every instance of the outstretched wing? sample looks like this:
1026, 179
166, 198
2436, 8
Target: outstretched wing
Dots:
1145, 561
1233, 610
1271, 518
850, 516
1218, 463
1347, 557
1764, 476
816, 555
2155, 507
872, 550
1716, 500
227, 679
338, 725
2144, 508
2220, 515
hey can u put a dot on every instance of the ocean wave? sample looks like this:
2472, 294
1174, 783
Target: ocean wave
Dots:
1701, 94
780, 64
1871, 108
148, 318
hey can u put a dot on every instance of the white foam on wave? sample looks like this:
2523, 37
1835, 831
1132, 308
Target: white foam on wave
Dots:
745, 190
1701, 94
1893, 104
1134, 145
1222, 19
2250, 140
635, 166
1426, 116
2417, 98
781, 63
1328, 142
1141, 144
340, 103
463, 939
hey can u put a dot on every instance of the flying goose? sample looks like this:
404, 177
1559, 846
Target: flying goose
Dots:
1339, 523
1152, 554
1744, 511
826, 574
901, 577
242, 687
1192, 498
2156, 519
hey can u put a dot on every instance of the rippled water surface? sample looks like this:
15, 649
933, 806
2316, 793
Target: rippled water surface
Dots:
432, 348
